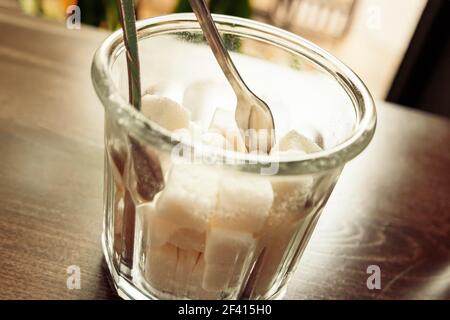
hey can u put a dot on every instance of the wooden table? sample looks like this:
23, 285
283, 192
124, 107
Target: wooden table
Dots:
391, 207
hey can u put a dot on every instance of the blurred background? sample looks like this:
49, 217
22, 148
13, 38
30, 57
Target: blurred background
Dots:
400, 48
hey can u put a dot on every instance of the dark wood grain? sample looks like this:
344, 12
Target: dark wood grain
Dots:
391, 207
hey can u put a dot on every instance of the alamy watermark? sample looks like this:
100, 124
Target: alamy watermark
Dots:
373, 17
213, 147
73, 21
74, 278
374, 280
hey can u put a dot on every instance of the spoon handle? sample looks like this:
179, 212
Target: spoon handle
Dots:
215, 42
128, 20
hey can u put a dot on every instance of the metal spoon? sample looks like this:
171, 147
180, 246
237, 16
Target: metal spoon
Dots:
128, 21
251, 111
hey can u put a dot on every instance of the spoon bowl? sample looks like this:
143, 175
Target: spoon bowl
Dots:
253, 116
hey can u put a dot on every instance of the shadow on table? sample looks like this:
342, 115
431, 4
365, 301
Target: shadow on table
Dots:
106, 287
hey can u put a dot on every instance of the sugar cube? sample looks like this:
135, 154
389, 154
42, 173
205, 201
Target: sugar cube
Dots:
294, 141
226, 254
161, 231
291, 196
189, 198
204, 96
188, 239
291, 193
165, 112
160, 268
170, 89
185, 266
195, 289
243, 203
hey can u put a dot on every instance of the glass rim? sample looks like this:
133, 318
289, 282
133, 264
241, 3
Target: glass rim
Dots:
150, 132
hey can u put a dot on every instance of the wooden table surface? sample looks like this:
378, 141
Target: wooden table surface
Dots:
391, 207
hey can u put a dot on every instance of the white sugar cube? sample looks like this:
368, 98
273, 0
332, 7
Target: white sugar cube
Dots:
188, 239
185, 266
195, 131
192, 133
226, 255
291, 193
195, 289
161, 231
224, 246
195, 282
243, 203
204, 96
195, 135
290, 198
294, 141
189, 197
160, 267
168, 89
223, 120
214, 139
165, 112
216, 277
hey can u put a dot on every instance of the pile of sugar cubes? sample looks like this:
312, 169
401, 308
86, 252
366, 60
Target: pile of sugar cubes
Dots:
207, 228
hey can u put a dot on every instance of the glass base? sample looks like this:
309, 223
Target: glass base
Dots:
129, 291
